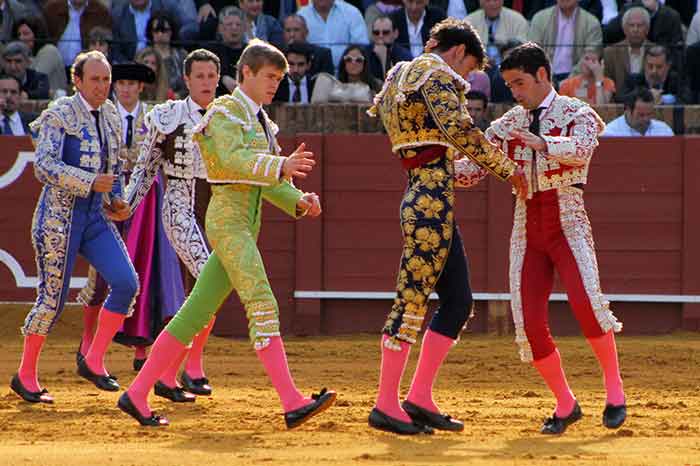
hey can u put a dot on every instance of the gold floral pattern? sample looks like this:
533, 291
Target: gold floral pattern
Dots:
427, 225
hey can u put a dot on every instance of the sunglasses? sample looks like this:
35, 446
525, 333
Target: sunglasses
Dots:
161, 29
349, 59
382, 32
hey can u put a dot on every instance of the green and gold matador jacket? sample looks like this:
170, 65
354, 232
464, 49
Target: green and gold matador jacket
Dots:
423, 108
244, 166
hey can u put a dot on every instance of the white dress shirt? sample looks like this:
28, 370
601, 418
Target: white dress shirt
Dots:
343, 26
123, 113
70, 44
620, 128
415, 37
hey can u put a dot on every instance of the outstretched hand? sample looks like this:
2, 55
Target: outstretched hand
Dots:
299, 163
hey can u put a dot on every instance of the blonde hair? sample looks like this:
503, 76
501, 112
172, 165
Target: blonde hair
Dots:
259, 53
158, 91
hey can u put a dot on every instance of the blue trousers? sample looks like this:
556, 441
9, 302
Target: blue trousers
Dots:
86, 232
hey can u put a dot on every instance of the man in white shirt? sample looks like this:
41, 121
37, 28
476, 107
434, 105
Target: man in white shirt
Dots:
12, 122
334, 24
637, 120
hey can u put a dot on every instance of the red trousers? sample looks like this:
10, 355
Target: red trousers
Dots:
551, 232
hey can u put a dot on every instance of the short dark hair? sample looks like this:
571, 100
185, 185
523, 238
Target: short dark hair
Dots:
478, 95
528, 57
200, 55
656, 51
4, 76
298, 48
259, 53
394, 27
639, 93
157, 19
38, 28
83, 57
452, 32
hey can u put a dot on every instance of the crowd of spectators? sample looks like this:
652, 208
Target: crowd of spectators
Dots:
601, 50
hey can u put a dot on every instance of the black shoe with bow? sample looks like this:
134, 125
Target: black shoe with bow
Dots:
557, 425
41, 396
103, 382
198, 386
176, 394
428, 418
321, 402
381, 421
128, 407
614, 416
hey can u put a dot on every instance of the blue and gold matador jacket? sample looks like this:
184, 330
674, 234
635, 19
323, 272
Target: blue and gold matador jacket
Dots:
68, 158
67, 150
422, 104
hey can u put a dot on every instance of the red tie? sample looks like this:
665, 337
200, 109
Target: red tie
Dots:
518, 5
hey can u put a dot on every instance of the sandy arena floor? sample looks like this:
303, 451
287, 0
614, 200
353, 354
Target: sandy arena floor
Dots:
501, 401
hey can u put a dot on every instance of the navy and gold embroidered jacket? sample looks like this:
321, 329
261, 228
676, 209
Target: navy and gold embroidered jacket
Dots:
422, 103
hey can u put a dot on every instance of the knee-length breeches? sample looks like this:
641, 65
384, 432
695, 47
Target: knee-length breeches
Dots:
552, 232
57, 241
235, 264
433, 258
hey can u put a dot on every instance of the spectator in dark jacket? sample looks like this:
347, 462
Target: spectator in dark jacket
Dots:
415, 13
665, 84
296, 31
384, 52
16, 59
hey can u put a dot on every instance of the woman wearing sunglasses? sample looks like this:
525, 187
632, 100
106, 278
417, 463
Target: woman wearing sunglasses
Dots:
354, 68
162, 34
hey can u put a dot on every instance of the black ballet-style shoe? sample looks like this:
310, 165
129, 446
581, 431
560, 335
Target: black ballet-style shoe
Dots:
428, 418
103, 382
176, 394
198, 386
138, 364
128, 407
381, 421
78, 355
614, 416
322, 401
41, 396
557, 425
